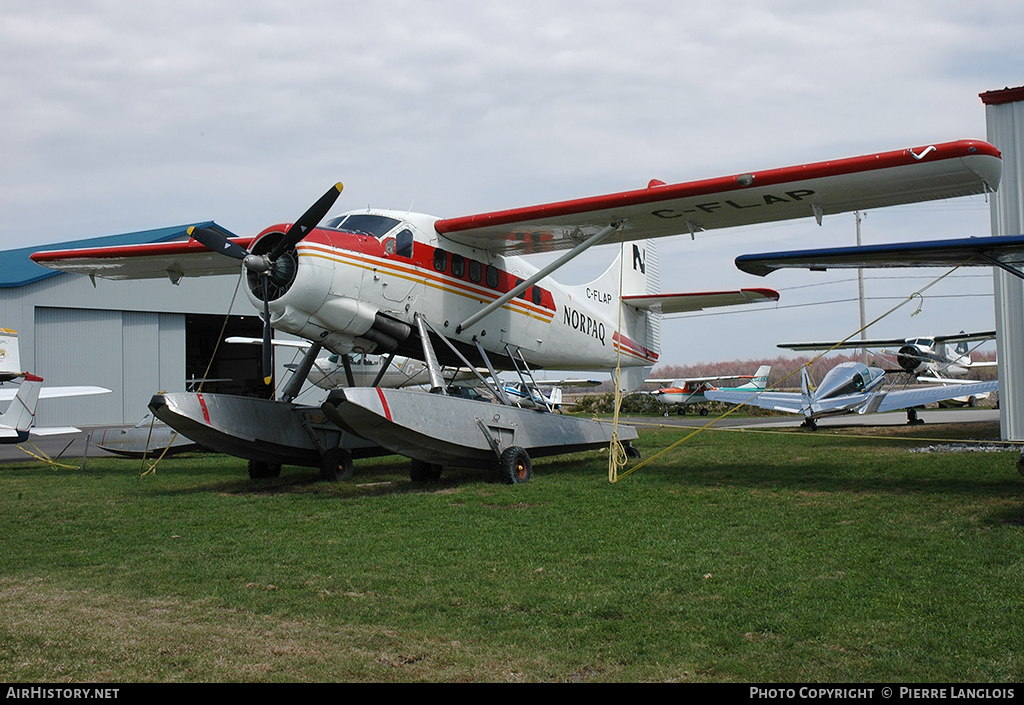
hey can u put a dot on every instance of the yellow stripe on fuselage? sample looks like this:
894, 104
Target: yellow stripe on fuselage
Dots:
412, 273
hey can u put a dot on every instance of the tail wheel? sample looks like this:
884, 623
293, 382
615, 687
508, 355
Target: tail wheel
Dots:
515, 466
336, 464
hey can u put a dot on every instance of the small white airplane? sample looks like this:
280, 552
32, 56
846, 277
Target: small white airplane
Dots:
849, 388
334, 371
457, 291
530, 394
681, 393
16, 423
925, 355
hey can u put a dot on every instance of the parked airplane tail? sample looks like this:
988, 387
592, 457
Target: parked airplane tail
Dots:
805, 389
759, 381
10, 364
18, 418
637, 336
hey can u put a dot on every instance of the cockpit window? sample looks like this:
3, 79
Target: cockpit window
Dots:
363, 224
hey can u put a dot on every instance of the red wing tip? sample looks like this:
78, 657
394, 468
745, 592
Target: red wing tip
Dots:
29, 377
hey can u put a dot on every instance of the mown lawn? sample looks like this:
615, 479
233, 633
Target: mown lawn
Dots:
735, 557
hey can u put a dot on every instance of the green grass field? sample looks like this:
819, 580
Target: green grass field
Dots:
735, 557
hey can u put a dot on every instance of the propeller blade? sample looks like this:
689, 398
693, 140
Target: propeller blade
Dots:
267, 345
215, 241
309, 220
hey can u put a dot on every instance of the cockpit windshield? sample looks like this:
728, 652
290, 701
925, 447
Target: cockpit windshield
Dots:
363, 224
847, 378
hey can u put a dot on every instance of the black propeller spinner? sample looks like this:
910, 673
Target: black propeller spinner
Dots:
275, 268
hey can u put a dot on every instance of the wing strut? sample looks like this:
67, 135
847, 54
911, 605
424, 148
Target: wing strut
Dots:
1002, 265
516, 291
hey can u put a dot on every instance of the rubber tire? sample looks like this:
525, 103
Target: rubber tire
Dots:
515, 466
335, 465
259, 470
422, 471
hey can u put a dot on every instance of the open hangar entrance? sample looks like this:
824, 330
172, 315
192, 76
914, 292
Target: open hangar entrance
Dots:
222, 367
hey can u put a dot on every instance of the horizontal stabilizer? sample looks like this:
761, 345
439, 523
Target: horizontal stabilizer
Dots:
699, 301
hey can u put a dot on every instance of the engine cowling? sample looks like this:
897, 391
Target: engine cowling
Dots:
910, 359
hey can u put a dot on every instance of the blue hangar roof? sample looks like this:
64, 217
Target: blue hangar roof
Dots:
16, 269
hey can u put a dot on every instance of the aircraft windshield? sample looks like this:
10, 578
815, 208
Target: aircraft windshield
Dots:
847, 378
363, 224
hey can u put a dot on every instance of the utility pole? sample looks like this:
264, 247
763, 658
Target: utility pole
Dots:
860, 292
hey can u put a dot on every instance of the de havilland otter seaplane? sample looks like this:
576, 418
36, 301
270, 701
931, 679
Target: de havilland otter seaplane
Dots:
460, 292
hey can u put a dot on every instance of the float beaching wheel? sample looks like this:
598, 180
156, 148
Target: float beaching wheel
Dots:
515, 466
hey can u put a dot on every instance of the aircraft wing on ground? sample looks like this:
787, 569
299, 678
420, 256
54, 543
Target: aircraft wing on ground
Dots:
904, 398
791, 402
1005, 251
945, 170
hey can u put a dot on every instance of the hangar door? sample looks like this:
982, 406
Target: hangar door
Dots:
133, 354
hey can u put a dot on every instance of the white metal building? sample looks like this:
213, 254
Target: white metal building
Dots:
135, 338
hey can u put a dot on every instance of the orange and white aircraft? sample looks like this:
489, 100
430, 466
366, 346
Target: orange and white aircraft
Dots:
389, 282
684, 392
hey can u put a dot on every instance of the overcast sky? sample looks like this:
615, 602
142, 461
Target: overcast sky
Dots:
122, 116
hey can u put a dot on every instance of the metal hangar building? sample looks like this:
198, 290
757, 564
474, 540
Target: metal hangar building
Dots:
135, 338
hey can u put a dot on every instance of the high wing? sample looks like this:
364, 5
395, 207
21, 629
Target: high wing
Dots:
880, 343
905, 398
1005, 251
700, 301
546, 383
173, 260
945, 170
695, 380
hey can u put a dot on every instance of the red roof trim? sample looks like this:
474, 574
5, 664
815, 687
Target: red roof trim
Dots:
1006, 95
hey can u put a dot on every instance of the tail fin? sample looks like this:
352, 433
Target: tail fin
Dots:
10, 364
556, 397
638, 332
22, 411
760, 380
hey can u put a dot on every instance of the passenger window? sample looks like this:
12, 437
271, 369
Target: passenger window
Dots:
440, 260
492, 276
537, 297
404, 244
476, 271
458, 265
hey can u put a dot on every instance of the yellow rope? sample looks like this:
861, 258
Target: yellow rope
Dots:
151, 470
616, 453
41, 456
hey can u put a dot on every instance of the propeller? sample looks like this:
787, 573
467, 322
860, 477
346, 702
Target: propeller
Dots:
271, 267
910, 358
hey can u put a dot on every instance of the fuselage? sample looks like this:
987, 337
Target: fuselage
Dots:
848, 379
358, 283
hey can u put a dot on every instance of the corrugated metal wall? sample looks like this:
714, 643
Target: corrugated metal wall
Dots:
133, 354
1005, 123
